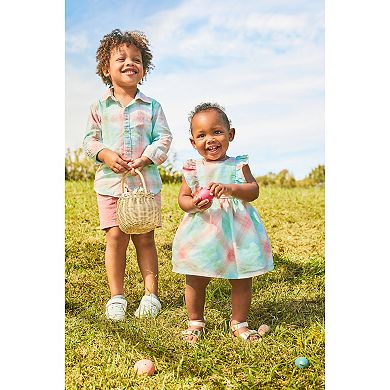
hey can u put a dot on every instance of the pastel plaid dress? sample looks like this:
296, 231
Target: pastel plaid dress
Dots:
228, 240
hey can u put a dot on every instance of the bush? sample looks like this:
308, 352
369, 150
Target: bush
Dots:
284, 179
316, 177
80, 167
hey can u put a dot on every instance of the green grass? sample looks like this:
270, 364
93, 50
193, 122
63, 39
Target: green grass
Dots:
101, 354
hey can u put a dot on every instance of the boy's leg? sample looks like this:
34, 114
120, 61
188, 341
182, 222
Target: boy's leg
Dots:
147, 260
195, 296
115, 259
148, 265
241, 302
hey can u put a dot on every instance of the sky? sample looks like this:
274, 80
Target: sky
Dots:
261, 60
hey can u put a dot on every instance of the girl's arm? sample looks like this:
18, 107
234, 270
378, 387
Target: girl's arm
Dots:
247, 192
189, 202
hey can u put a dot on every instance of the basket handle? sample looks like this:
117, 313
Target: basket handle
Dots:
139, 174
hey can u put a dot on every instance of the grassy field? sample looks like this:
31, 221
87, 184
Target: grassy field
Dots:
101, 354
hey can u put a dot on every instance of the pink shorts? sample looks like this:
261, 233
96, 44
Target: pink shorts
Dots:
107, 209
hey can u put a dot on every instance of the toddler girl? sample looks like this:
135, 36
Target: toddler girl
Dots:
126, 130
223, 237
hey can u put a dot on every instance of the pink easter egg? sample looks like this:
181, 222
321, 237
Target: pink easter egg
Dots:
144, 366
263, 329
204, 193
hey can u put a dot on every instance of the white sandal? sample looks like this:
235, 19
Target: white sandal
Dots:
196, 333
116, 308
244, 335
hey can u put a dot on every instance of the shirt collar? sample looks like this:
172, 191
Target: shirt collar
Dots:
139, 95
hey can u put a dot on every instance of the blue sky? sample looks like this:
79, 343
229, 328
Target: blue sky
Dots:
262, 60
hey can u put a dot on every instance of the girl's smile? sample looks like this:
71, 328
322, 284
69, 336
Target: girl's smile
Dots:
210, 135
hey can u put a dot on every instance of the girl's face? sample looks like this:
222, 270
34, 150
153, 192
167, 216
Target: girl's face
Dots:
125, 68
210, 135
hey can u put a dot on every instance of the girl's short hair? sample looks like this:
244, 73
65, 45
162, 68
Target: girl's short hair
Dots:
207, 107
117, 38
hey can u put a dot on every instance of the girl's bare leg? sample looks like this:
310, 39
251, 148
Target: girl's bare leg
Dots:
115, 259
147, 260
195, 295
241, 302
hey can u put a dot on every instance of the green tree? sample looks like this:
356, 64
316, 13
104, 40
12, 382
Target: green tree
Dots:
317, 175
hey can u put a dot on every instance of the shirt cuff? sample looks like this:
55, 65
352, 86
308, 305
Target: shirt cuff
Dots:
157, 156
92, 153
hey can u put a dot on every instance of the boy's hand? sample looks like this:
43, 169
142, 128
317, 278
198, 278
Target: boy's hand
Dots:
218, 189
116, 162
139, 163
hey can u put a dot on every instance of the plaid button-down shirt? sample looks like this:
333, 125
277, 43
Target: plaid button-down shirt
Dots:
139, 129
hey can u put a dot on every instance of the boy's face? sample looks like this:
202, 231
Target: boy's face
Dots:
210, 135
125, 68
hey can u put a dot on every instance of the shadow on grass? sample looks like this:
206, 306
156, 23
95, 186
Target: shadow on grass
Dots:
294, 313
293, 272
73, 308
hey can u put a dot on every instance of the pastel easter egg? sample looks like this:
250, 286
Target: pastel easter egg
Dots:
144, 366
302, 362
263, 329
204, 193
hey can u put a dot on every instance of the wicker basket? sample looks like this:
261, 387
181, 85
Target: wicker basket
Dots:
137, 210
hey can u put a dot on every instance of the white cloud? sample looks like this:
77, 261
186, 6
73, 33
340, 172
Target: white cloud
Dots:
218, 30
83, 88
76, 42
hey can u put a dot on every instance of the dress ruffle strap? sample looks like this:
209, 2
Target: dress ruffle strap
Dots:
240, 162
190, 174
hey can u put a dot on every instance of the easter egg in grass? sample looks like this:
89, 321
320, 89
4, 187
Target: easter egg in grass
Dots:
302, 362
144, 366
263, 330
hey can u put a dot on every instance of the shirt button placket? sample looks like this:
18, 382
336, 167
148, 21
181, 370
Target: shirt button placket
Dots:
127, 134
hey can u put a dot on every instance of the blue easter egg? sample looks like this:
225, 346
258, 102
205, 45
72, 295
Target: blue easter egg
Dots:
302, 362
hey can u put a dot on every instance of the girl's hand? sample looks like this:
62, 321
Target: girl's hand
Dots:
200, 205
139, 163
115, 161
219, 189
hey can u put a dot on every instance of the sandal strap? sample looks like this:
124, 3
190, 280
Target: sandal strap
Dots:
194, 332
245, 335
198, 323
235, 327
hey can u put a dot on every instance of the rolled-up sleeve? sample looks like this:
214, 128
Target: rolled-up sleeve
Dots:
92, 143
161, 137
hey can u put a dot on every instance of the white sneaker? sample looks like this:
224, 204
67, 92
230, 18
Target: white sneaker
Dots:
116, 308
148, 307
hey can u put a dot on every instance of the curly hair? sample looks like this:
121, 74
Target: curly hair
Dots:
117, 38
207, 107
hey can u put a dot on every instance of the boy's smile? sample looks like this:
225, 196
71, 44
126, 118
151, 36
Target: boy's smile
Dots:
126, 67
210, 135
